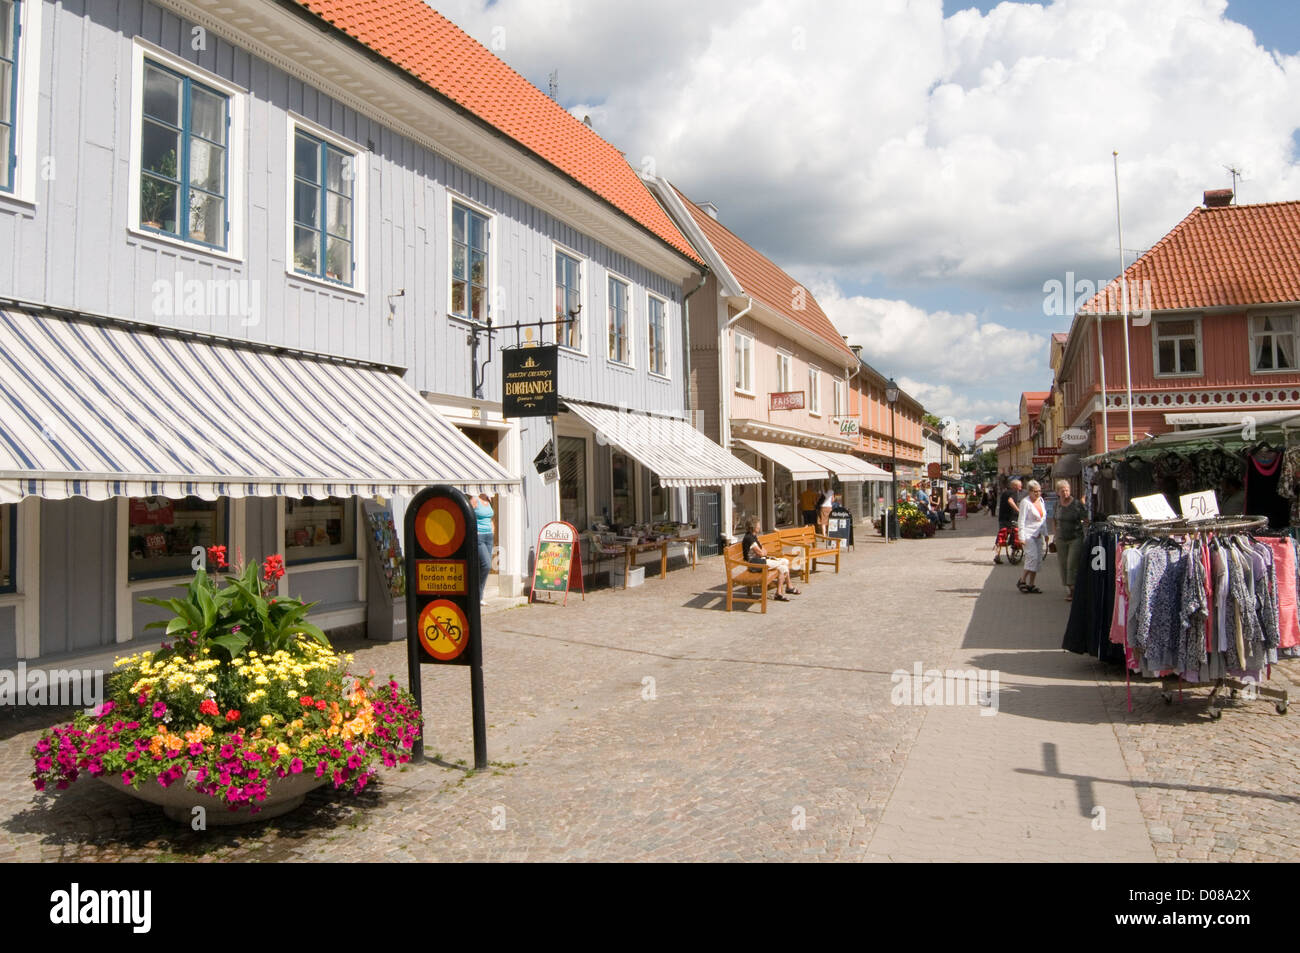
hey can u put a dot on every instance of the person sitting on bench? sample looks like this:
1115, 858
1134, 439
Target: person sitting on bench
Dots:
754, 552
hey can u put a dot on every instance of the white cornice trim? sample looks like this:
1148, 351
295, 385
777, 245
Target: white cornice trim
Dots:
728, 284
322, 60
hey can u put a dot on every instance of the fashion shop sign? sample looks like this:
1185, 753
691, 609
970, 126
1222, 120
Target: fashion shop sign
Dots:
785, 400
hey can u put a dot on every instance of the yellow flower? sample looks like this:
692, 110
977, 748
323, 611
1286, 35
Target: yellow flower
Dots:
267, 721
291, 693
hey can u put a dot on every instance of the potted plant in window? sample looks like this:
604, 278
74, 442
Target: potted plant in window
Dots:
336, 263
242, 715
156, 197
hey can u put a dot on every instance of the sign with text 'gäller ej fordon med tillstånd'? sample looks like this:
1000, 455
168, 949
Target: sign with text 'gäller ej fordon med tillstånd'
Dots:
528, 381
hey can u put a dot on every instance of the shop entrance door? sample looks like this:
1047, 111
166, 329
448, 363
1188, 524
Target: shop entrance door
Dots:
489, 441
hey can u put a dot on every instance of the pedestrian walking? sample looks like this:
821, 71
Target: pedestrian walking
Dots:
756, 555
825, 503
808, 505
1033, 529
486, 540
1071, 517
1008, 514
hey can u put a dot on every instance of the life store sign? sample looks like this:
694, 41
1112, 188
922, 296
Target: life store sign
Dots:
528, 385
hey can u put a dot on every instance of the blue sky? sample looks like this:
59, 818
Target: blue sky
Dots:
925, 168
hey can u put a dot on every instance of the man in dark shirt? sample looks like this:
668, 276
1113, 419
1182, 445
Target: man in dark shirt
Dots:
1008, 513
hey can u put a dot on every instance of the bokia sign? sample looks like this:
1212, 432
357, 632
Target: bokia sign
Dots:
528, 385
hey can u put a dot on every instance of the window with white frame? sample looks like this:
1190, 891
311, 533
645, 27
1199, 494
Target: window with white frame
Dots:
782, 372
1177, 346
568, 301
814, 391
323, 209
840, 399
620, 321
184, 152
657, 328
1272, 343
742, 365
470, 234
10, 20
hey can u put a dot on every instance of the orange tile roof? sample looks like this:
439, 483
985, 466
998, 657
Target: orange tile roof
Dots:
764, 280
1234, 255
422, 42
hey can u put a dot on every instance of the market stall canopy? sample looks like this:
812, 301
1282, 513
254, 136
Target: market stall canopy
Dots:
1067, 465
801, 467
99, 408
1246, 429
668, 446
848, 468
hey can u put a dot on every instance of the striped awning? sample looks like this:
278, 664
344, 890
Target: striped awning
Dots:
101, 409
848, 468
669, 447
794, 459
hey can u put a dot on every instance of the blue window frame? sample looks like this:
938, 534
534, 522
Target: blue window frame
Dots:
8, 546
183, 158
9, 30
322, 209
469, 263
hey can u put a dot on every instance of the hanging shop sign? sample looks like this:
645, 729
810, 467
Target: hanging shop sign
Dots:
546, 459
1074, 437
934, 471
442, 596
559, 561
847, 426
1043, 459
528, 381
785, 400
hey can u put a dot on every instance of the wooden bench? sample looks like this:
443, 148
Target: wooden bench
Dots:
814, 546
742, 573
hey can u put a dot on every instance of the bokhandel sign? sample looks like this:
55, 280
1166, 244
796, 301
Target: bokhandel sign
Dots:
528, 386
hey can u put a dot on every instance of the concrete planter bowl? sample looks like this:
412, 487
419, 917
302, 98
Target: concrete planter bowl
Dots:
178, 801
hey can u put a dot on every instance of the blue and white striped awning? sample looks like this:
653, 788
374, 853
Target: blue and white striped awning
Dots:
97, 409
669, 447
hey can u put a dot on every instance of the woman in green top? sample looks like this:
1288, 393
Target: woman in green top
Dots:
1071, 517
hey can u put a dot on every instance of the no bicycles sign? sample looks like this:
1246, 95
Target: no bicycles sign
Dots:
444, 626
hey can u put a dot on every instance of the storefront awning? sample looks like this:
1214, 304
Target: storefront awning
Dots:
101, 409
669, 447
848, 468
801, 467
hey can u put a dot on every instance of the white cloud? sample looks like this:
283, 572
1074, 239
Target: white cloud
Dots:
880, 138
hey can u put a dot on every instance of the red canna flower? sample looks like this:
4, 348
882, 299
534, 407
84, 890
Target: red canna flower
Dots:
273, 568
217, 556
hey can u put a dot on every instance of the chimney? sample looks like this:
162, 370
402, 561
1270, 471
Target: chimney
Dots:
1218, 198
856, 349
710, 209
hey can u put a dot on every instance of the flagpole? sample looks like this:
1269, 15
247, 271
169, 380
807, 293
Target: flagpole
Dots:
1123, 283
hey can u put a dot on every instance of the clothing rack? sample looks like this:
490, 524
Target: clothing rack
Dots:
1139, 528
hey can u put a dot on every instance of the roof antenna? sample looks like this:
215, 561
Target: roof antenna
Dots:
1235, 174
553, 85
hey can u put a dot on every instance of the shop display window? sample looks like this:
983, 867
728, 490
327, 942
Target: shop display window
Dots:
783, 498
8, 543
319, 529
623, 510
163, 533
660, 500
573, 481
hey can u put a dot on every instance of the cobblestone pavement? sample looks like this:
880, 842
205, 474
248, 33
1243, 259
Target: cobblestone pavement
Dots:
651, 725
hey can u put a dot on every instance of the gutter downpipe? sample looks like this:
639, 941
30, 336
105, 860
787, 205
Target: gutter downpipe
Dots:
724, 420
686, 353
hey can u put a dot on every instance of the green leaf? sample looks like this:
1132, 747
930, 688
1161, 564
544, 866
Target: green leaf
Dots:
314, 631
232, 642
176, 625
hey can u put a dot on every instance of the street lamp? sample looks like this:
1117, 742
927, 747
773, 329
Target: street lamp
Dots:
891, 395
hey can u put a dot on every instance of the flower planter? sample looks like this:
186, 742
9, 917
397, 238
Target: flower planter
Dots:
178, 801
